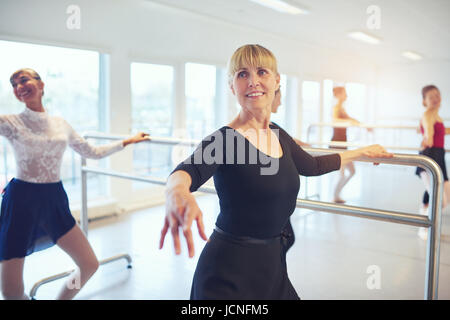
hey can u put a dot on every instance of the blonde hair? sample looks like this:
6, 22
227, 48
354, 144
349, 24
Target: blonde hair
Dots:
252, 55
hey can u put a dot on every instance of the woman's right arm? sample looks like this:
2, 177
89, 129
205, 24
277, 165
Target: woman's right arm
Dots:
181, 206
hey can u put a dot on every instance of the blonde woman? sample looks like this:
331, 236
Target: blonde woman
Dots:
244, 258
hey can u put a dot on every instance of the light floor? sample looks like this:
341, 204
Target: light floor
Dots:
330, 258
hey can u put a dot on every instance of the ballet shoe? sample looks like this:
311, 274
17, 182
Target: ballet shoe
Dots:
339, 200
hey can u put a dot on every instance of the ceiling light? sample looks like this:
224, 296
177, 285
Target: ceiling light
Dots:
281, 6
361, 36
412, 55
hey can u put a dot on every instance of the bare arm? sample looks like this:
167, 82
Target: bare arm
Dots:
428, 128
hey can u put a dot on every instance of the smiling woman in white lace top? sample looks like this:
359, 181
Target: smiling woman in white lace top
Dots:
39, 141
35, 210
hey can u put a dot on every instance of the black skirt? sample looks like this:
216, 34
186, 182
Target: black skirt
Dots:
242, 268
340, 135
438, 155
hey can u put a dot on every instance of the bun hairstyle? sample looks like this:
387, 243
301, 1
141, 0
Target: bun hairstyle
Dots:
427, 89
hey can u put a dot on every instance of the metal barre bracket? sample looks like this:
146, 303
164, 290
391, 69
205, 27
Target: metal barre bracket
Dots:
61, 275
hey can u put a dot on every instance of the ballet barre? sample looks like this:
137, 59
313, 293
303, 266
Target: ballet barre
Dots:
432, 222
344, 124
361, 145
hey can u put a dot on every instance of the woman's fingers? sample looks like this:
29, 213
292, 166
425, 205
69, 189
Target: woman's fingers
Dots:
163, 233
189, 241
187, 222
175, 235
192, 213
201, 227
141, 136
180, 214
377, 151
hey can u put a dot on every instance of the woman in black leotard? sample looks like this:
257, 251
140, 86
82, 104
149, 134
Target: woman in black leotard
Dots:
340, 134
256, 167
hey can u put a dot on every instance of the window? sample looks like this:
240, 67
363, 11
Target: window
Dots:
71, 78
311, 106
152, 91
356, 104
328, 101
200, 92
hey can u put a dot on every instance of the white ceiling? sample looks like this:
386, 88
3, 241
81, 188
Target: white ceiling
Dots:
422, 26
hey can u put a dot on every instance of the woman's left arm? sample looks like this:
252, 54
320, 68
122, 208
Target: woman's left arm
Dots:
84, 148
308, 165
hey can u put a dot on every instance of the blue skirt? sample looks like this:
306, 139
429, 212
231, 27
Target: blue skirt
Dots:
33, 217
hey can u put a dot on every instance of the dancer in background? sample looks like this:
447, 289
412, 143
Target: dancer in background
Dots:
340, 134
35, 210
433, 131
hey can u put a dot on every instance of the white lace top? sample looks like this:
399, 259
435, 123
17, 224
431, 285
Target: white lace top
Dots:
39, 142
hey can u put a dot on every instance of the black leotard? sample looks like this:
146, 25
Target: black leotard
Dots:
253, 204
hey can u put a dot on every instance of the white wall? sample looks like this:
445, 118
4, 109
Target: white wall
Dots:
400, 86
131, 30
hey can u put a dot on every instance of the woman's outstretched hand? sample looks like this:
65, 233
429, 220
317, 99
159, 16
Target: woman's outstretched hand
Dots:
375, 151
181, 211
141, 136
